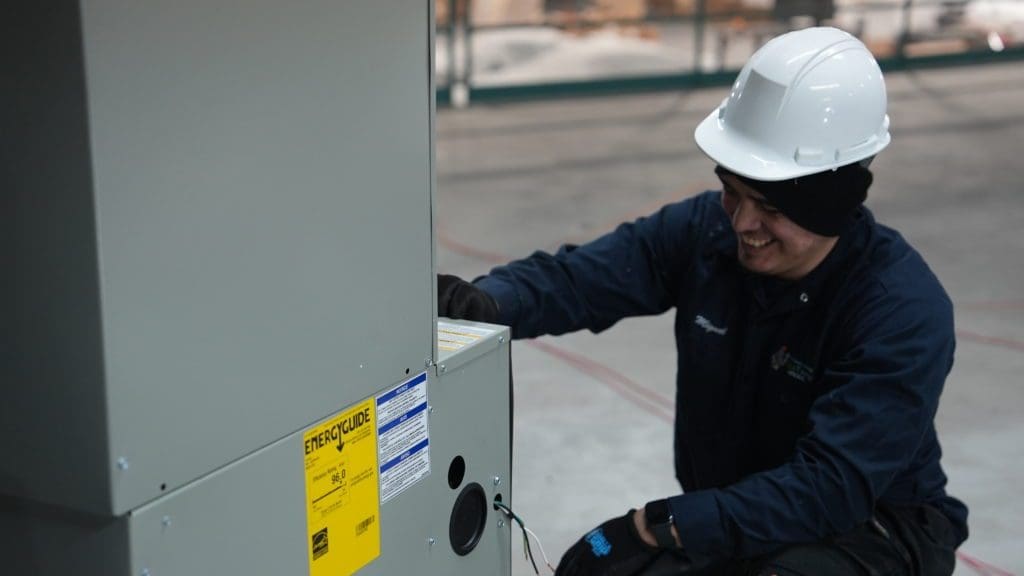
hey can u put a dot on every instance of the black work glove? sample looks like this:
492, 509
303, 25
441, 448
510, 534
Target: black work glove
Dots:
459, 299
612, 549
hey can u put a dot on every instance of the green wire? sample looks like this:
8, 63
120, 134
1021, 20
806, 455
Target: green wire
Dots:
526, 539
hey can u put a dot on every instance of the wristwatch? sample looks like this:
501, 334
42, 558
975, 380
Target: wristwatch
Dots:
660, 522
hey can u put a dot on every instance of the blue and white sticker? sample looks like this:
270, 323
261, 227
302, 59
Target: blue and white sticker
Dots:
403, 436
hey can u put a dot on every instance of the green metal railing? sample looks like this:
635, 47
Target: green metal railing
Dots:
458, 32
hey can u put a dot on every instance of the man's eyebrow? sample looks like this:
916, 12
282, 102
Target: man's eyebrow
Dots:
751, 192
757, 196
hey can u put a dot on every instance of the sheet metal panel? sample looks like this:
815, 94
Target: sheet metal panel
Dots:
250, 517
238, 244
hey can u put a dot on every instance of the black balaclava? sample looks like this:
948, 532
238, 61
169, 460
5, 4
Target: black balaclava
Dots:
823, 203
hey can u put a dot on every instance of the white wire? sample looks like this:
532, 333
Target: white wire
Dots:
508, 512
541, 546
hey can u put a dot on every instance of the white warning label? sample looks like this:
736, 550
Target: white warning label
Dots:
403, 436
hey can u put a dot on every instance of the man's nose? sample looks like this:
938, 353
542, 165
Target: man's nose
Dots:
746, 217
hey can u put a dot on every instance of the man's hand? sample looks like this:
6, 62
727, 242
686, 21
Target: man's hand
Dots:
459, 299
614, 548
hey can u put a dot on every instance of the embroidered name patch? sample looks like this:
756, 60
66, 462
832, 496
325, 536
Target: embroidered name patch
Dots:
708, 326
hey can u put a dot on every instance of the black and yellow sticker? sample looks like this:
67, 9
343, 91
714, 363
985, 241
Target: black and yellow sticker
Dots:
342, 492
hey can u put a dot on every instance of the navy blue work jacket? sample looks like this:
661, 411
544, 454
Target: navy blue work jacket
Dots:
799, 405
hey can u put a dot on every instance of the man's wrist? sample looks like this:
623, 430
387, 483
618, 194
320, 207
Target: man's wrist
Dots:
645, 534
648, 530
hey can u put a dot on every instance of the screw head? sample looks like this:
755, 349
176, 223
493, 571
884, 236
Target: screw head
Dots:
122, 463
443, 368
428, 362
497, 480
145, 572
165, 521
430, 541
501, 523
501, 339
430, 409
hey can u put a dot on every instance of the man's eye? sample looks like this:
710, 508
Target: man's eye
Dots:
768, 208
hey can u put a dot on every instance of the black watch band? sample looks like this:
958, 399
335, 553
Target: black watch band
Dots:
660, 522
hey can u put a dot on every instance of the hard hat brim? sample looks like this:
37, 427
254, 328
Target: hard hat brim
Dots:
746, 158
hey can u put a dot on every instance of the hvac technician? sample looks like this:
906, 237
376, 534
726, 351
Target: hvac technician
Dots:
813, 342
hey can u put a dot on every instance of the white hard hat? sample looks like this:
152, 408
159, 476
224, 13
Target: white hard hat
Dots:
807, 101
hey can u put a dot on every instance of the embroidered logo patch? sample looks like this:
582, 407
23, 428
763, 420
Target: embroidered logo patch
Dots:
783, 360
598, 543
708, 326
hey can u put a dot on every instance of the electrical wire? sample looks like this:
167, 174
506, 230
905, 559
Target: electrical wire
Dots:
541, 546
527, 550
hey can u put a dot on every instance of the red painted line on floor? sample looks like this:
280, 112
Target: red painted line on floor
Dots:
980, 566
646, 399
993, 305
990, 340
466, 250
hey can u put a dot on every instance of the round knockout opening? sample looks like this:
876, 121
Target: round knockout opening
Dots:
456, 472
469, 516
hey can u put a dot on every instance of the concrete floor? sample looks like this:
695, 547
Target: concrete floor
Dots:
593, 416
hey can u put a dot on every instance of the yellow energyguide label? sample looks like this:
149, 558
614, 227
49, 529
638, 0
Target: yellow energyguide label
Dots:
342, 492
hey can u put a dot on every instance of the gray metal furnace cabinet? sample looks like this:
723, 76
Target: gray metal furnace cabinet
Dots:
254, 516
216, 223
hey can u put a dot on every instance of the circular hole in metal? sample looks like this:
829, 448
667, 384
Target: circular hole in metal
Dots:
469, 515
456, 472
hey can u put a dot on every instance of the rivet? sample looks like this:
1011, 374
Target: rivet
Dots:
501, 523
430, 541
497, 480
122, 463
443, 368
501, 339
165, 521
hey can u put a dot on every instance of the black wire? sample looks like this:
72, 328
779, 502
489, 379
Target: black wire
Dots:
529, 552
526, 537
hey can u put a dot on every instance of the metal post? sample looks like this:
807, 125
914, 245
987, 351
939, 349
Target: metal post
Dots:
699, 20
450, 79
467, 27
905, 30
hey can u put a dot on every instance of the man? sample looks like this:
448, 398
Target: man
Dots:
813, 343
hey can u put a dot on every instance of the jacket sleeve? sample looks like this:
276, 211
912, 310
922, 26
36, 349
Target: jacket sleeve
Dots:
631, 271
882, 398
